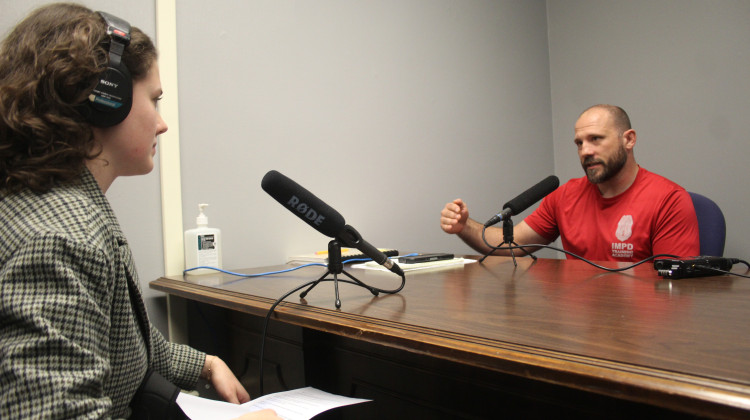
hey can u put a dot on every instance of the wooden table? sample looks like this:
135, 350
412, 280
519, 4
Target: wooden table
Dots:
679, 345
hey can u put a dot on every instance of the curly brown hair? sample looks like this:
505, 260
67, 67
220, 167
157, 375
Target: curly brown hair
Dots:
49, 63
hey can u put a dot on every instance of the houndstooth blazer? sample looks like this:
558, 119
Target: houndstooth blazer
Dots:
72, 319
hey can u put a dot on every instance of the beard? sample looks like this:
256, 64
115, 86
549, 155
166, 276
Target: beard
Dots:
608, 169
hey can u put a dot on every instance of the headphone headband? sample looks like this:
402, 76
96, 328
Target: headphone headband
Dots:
119, 33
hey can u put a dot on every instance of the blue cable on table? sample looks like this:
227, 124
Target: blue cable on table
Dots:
279, 271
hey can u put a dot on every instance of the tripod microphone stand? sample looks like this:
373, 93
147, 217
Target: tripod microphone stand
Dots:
508, 240
336, 267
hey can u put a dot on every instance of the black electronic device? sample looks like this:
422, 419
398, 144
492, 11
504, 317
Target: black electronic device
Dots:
110, 101
423, 258
702, 266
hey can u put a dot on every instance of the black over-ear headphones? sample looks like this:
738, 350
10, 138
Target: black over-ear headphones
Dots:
110, 101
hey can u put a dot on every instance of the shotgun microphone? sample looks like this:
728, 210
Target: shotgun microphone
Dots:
320, 216
302, 203
525, 199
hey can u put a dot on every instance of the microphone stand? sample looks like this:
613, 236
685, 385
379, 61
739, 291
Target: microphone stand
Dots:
336, 267
508, 240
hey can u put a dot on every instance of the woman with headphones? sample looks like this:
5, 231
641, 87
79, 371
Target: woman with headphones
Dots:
78, 109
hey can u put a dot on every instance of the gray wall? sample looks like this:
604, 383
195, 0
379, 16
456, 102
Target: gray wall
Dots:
680, 69
386, 110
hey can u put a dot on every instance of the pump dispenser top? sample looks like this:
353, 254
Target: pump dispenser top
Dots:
201, 220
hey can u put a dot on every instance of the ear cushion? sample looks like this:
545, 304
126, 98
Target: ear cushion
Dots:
110, 101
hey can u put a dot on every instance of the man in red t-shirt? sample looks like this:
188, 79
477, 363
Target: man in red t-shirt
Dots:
617, 212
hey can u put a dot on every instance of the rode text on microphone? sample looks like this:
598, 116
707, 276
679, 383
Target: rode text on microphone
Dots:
308, 212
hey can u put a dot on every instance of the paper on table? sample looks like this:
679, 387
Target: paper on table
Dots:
298, 404
418, 266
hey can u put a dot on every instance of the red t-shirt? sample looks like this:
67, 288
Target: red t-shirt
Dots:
654, 216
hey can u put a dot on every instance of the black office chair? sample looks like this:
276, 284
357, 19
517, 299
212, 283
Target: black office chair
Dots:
712, 227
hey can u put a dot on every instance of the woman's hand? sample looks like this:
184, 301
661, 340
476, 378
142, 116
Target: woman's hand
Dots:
223, 380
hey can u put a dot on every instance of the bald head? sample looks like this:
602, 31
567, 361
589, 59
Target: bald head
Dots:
618, 117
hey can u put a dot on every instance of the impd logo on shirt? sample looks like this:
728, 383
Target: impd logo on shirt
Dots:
623, 233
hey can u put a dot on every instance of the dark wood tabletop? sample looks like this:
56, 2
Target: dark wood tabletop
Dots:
681, 344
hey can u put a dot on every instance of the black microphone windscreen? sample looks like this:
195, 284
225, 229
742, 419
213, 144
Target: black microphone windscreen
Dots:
532, 195
303, 203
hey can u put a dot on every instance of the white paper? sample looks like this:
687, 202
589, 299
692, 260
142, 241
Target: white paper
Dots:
370, 265
298, 404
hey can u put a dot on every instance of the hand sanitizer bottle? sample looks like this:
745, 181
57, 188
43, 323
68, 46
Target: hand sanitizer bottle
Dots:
202, 245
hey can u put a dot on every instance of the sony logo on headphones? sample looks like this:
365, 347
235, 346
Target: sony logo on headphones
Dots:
108, 83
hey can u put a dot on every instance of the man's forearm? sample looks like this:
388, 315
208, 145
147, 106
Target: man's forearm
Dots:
472, 236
